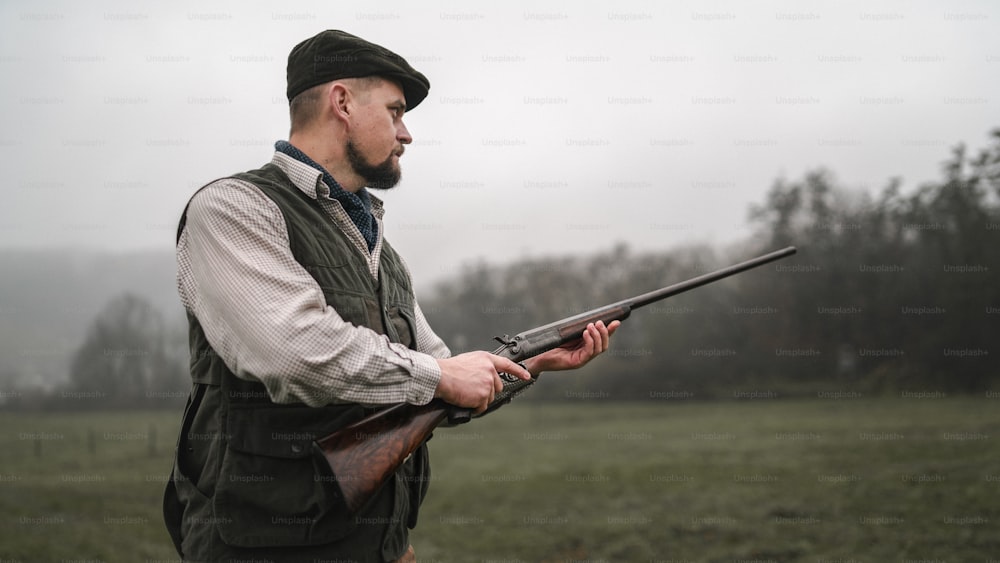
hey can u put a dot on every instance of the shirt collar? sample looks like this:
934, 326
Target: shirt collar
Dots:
309, 181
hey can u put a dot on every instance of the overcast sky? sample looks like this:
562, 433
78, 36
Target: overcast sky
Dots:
551, 127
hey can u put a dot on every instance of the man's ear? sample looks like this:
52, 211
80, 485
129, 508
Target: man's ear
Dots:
340, 103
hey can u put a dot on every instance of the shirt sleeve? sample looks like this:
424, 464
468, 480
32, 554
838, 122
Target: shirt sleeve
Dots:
428, 341
267, 317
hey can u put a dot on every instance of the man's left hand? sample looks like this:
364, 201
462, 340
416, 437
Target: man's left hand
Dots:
593, 342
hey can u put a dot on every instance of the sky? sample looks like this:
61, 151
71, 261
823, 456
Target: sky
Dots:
550, 128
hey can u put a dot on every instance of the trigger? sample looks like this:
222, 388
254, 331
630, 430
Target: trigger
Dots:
508, 377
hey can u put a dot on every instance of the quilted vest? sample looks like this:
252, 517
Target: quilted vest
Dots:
245, 480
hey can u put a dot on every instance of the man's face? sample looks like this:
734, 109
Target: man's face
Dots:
378, 135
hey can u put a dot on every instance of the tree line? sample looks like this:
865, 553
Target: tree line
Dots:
890, 294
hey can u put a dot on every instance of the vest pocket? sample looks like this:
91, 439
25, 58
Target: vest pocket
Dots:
269, 491
404, 324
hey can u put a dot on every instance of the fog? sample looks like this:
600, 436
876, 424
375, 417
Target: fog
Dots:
550, 128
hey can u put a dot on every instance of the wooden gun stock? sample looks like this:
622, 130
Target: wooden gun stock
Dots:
365, 454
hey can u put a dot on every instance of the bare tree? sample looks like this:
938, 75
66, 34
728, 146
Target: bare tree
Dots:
127, 357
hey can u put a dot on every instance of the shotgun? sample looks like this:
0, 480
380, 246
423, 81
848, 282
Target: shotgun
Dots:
362, 456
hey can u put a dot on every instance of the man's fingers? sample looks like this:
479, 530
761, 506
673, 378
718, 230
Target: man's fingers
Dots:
506, 365
606, 332
592, 339
596, 338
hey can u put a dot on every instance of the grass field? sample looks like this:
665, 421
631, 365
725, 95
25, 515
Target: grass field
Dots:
813, 481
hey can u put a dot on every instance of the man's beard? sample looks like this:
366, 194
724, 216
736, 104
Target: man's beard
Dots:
376, 176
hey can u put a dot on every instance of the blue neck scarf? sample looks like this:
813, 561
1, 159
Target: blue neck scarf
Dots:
358, 206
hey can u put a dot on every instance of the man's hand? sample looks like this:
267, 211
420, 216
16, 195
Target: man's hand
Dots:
471, 380
593, 343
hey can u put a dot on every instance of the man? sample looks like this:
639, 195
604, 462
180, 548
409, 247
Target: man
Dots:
303, 320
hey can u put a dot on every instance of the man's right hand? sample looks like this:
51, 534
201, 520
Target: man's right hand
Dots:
471, 380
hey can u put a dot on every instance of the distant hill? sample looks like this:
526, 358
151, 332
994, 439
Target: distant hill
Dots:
48, 298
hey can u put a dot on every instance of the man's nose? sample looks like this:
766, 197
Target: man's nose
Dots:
403, 134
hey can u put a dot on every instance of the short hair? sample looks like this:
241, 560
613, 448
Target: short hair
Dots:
305, 107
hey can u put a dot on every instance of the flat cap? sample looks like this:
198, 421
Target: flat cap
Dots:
334, 54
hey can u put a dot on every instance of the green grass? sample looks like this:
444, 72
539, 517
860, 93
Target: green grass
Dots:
85, 485
822, 480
